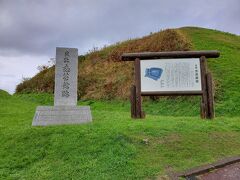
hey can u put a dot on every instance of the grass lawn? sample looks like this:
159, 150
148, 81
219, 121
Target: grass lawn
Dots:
113, 146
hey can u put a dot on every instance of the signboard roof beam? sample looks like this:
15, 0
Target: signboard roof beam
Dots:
171, 54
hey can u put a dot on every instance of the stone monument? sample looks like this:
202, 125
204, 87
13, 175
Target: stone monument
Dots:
65, 109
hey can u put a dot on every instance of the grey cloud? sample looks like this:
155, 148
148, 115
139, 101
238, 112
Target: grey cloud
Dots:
37, 27
7, 75
31, 29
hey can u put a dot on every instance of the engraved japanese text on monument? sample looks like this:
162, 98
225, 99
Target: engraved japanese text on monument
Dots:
66, 70
66, 77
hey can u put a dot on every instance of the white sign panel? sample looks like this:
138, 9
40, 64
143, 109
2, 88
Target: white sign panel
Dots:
170, 75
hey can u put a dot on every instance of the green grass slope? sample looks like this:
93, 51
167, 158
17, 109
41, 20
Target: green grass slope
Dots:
4, 94
226, 69
113, 146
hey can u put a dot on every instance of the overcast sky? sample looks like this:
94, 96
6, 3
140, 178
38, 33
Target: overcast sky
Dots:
30, 30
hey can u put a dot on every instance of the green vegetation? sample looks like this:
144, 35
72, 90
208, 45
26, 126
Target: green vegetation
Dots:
226, 69
4, 94
101, 74
113, 146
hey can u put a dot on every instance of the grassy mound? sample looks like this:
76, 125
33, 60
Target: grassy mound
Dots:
4, 94
101, 74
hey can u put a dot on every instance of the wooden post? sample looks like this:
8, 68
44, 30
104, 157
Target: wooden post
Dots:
172, 54
139, 113
202, 110
210, 97
204, 101
133, 101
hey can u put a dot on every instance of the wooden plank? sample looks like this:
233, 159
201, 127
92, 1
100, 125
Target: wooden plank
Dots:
133, 101
143, 114
138, 88
210, 97
171, 54
202, 110
204, 104
172, 93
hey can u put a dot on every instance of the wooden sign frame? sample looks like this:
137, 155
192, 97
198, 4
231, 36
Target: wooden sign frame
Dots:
207, 92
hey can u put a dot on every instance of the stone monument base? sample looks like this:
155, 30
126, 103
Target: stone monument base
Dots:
56, 115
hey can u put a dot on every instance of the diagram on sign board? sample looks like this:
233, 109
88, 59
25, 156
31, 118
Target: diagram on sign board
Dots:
153, 73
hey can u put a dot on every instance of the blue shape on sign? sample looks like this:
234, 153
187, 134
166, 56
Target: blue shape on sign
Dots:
153, 73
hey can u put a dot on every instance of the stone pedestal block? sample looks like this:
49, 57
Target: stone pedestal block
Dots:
56, 115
